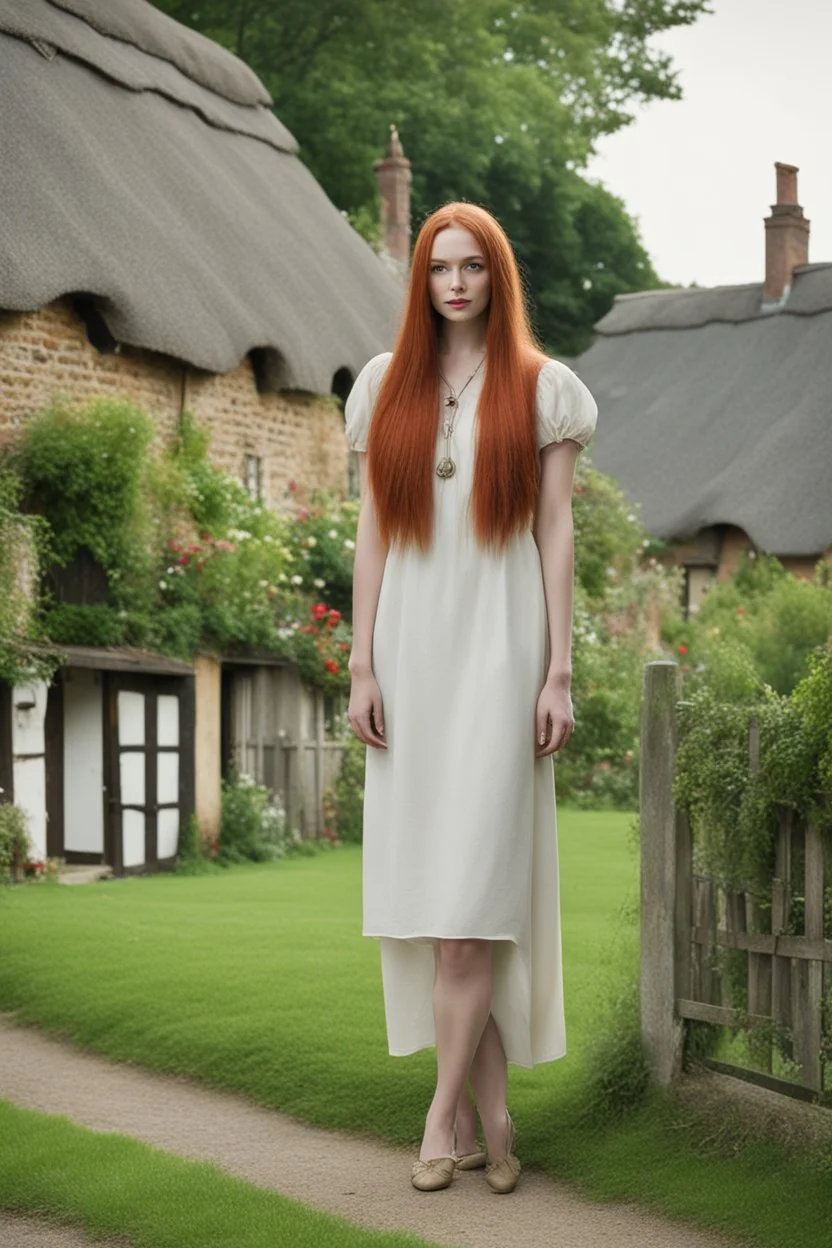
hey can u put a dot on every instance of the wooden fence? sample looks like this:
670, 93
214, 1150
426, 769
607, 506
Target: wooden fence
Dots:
689, 922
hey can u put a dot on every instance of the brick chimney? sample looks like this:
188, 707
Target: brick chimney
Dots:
394, 177
787, 236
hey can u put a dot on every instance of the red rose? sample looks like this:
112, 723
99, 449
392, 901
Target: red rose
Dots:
331, 666
308, 628
334, 616
182, 559
319, 610
344, 645
683, 649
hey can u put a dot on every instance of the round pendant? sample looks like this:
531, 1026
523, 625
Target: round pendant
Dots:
445, 468
450, 401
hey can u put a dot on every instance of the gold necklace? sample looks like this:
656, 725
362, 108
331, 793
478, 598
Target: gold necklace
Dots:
446, 466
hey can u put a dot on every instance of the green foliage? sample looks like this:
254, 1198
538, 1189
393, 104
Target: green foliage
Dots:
14, 840
22, 540
252, 824
609, 537
757, 629
79, 624
322, 542
83, 469
191, 560
734, 812
530, 87
618, 1074
619, 589
347, 794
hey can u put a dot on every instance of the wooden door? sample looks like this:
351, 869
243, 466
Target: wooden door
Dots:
150, 772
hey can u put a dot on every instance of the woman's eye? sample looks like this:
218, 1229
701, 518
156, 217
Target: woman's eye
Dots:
474, 265
436, 268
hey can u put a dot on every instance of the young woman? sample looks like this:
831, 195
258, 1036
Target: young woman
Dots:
461, 667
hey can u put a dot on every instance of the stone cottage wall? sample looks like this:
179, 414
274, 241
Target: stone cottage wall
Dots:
298, 438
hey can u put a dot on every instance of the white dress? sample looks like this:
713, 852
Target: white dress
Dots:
460, 831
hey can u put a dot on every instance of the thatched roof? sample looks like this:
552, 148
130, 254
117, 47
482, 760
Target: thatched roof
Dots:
715, 412
141, 165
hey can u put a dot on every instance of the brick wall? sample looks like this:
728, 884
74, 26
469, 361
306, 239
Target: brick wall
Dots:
47, 352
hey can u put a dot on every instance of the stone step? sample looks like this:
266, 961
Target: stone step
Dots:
84, 873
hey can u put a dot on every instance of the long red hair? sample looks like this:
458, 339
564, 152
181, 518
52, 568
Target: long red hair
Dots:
402, 441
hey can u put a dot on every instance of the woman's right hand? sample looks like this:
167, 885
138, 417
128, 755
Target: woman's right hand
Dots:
365, 710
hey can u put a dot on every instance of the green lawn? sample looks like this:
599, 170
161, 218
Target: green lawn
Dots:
258, 980
111, 1185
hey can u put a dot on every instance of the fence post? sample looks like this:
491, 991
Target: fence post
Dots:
661, 1029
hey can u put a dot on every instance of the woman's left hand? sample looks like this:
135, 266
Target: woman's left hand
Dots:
554, 720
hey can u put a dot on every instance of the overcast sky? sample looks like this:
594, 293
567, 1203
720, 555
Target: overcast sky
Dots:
698, 174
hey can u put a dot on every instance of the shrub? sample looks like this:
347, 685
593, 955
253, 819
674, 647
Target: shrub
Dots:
14, 841
757, 629
84, 470
618, 1074
252, 824
347, 793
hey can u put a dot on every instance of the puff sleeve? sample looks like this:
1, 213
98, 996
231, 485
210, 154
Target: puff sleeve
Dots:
358, 409
565, 408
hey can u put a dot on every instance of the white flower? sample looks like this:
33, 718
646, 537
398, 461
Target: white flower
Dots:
297, 580
332, 533
349, 544
268, 538
282, 577
263, 584
170, 571
318, 583
311, 541
163, 584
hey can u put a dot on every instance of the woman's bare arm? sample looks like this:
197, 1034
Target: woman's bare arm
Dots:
365, 710
555, 537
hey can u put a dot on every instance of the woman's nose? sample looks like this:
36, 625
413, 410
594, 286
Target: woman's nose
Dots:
457, 282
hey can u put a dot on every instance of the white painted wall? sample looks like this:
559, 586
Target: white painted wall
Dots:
29, 774
83, 763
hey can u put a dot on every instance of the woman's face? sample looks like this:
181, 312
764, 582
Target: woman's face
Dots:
459, 281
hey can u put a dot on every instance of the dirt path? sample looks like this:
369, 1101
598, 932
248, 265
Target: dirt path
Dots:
359, 1179
18, 1232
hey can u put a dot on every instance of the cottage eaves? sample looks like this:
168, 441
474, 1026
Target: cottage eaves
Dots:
142, 166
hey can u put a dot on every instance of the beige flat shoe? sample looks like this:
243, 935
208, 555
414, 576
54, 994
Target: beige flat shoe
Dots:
471, 1161
502, 1175
433, 1175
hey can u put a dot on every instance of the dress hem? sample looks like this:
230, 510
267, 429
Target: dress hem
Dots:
438, 936
538, 1061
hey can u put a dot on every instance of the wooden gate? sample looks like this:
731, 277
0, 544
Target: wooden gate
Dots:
689, 921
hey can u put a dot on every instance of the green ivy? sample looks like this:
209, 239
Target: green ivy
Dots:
22, 541
84, 469
734, 812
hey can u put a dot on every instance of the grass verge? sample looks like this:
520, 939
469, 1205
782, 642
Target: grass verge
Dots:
114, 1186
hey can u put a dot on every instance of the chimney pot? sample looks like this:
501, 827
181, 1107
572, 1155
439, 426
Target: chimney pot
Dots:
787, 236
786, 183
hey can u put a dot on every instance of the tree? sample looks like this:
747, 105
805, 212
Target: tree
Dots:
497, 102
